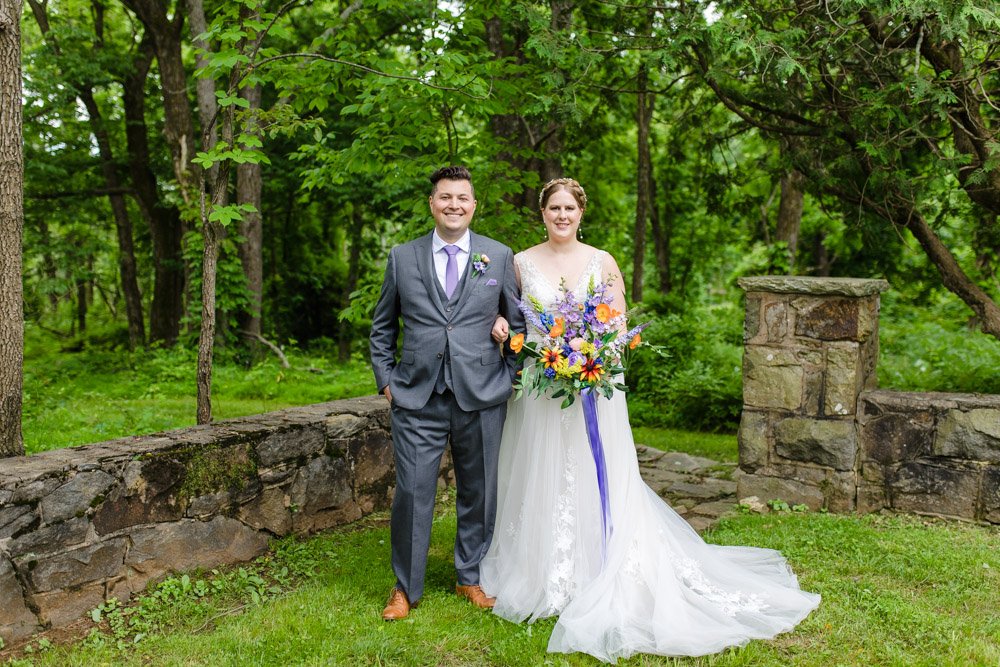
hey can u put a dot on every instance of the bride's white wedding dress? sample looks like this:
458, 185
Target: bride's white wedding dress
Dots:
659, 587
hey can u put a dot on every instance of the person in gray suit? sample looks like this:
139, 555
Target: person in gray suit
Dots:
450, 383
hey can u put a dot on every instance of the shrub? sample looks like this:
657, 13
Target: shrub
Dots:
695, 380
933, 349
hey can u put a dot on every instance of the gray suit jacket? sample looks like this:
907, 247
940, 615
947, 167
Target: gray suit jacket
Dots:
433, 335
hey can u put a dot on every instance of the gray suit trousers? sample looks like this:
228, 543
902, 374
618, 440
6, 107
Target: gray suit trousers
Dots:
419, 438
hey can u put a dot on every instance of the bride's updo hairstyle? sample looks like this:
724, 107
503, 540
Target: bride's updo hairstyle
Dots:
567, 184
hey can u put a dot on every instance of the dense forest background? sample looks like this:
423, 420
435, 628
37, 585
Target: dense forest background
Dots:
715, 140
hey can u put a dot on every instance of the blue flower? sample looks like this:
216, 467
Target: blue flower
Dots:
550, 373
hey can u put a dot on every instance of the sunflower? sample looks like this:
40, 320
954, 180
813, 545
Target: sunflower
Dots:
551, 356
592, 370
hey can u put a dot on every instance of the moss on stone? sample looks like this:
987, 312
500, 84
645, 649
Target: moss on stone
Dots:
215, 469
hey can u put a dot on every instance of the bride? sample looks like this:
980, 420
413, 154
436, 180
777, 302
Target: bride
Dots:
655, 587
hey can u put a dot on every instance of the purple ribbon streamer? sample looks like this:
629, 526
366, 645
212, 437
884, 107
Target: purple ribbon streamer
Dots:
589, 399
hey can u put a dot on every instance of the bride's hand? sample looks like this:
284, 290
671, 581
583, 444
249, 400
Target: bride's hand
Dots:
501, 329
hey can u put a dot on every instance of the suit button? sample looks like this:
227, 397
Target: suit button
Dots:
450, 327
440, 355
448, 309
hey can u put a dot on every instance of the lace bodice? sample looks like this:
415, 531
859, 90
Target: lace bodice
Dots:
534, 282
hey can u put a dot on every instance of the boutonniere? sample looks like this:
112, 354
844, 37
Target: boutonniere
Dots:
480, 263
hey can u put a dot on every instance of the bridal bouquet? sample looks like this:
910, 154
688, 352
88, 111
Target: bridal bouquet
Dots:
583, 347
581, 353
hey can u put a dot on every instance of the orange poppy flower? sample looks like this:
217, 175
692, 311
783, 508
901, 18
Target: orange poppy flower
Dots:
558, 329
634, 343
602, 312
517, 342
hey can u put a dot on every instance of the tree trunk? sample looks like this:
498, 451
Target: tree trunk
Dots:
903, 214
205, 85
952, 275
643, 201
661, 232
210, 259
345, 330
81, 305
212, 233
123, 224
166, 230
522, 138
49, 267
822, 261
164, 24
11, 230
790, 213
661, 241
249, 185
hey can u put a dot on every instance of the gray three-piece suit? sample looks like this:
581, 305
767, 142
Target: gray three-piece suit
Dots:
450, 383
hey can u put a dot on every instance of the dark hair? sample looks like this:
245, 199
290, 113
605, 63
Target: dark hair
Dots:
452, 173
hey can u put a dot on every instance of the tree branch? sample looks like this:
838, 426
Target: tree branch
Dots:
369, 70
274, 348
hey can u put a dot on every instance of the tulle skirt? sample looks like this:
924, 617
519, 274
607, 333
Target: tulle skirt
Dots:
654, 586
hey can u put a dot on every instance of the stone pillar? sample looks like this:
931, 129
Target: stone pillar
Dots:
810, 349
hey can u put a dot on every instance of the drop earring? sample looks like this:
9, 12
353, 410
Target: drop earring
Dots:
579, 232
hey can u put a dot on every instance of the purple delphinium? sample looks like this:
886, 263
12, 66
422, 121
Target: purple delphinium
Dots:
531, 316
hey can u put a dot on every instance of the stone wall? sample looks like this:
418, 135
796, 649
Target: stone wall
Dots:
815, 430
84, 524
930, 454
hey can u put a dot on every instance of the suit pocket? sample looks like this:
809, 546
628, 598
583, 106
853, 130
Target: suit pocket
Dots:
408, 357
491, 355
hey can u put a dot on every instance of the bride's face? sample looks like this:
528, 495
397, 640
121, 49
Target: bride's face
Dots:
562, 216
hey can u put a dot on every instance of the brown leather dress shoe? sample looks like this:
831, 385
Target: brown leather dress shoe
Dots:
475, 595
398, 606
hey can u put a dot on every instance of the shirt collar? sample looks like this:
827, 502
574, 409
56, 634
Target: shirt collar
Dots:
463, 243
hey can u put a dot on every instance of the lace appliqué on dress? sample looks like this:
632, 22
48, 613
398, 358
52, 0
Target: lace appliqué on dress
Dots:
514, 527
559, 587
730, 602
633, 568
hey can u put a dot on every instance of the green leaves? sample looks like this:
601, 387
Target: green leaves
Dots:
225, 215
248, 151
230, 99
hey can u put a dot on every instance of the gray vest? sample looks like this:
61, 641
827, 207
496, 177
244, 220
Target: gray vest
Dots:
444, 373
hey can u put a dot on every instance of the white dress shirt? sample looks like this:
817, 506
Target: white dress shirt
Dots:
441, 257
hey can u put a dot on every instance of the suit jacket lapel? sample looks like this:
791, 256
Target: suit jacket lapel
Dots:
467, 284
425, 264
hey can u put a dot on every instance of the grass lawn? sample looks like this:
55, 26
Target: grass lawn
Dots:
896, 591
716, 446
76, 399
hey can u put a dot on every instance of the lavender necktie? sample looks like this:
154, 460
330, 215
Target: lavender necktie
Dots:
451, 270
